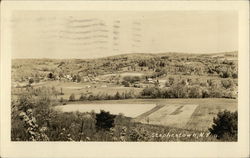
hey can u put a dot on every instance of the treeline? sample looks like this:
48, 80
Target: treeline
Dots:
180, 91
193, 88
174, 88
102, 96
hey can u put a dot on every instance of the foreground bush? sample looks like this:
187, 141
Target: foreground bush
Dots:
225, 126
25, 121
104, 120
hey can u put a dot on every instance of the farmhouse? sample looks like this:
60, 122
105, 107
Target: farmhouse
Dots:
150, 80
69, 77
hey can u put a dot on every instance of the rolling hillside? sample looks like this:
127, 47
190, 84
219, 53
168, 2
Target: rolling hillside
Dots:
168, 63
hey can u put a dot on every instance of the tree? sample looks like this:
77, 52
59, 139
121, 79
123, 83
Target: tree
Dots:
162, 64
235, 75
195, 92
72, 97
153, 92
74, 78
117, 95
171, 81
31, 80
125, 83
225, 73
61, 93
215, 93
82, 97
225, 125
128, 95
78, 78
227, 83
142, 63
61, 100
51, 75
176, 91
205, 93
104, 120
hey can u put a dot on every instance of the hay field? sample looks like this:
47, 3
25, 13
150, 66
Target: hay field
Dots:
171, 115
129, 110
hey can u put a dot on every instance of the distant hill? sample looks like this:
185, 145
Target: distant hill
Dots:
162, 63
173, 54
227, 55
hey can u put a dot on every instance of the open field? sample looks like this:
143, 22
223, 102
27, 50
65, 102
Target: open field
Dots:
194, 114
129, 110
131, 74
171, 115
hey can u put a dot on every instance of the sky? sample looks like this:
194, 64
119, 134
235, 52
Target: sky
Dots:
94, 34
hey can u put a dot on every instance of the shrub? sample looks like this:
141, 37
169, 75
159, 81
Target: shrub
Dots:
26, 120
25, 102
104, 120
225, 126
139, 134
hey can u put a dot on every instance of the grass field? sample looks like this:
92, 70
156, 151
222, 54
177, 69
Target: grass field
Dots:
170, 115
129, 110
193, 114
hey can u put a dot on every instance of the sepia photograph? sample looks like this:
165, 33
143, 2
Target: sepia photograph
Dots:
124, 76
107, 75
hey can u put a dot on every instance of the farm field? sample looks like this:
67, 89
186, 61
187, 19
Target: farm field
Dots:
129, 110
193, 114
171, 115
